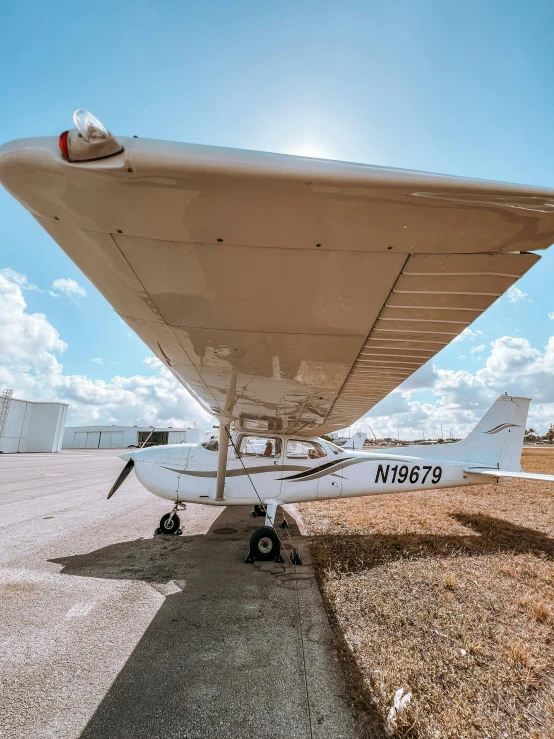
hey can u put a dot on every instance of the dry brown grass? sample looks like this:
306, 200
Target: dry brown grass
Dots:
450, 595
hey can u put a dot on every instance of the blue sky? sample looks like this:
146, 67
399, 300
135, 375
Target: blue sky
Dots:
464, 89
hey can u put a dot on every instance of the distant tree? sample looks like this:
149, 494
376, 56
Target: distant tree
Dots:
550, 434
530, 434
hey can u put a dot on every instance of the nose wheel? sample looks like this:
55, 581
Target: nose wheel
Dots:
171, 523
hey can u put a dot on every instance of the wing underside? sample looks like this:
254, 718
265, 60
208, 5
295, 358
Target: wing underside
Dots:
287, 294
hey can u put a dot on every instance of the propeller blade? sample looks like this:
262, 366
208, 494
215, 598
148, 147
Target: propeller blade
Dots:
122, 477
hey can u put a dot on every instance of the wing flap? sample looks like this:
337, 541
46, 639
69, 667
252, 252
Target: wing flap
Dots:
445, 285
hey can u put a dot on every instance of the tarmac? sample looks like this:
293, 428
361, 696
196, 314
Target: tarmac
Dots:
109, 631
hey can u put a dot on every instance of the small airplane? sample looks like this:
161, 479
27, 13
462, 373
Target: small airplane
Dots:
355, 442
289, 296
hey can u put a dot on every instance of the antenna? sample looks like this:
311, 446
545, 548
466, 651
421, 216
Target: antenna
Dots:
6, 399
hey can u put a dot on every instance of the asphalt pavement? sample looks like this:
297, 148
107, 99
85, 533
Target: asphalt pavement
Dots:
109, 631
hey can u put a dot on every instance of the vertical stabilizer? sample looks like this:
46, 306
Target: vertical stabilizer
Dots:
497, 440
356, 441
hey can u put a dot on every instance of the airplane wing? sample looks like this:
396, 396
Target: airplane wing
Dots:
287, 293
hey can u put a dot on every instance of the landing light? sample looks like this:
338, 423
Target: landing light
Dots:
89, 126
90, 141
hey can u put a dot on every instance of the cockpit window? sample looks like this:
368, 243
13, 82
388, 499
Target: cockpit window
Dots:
297, 449
212, 445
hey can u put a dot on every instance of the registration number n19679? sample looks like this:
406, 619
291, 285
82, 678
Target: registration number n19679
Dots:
402, 473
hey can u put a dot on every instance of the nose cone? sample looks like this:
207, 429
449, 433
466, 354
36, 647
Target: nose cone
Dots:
127, 455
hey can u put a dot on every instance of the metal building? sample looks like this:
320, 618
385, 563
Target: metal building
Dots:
119, 437
26, 426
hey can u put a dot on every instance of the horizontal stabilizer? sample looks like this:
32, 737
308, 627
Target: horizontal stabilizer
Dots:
510, 473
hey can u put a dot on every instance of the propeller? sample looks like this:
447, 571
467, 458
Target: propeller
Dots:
130, 464
122, 477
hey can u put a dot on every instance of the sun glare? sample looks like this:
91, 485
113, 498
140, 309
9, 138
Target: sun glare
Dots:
309, 149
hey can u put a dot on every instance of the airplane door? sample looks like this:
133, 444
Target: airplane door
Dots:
306, 474
329, 485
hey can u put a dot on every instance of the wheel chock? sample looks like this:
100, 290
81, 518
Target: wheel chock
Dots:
295, 557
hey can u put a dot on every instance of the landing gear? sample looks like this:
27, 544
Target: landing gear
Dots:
265, 543
264, 546
171, 523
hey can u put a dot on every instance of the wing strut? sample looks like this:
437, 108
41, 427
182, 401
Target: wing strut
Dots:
223, 446
224, 435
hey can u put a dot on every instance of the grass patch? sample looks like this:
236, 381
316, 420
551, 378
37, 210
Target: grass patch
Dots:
448, 594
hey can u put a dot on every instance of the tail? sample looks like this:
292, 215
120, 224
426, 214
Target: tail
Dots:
356, 441
497, 440
493, 448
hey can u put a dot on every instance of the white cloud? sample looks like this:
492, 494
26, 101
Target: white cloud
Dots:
18, 278
468, 333
68, 287
514, 294
551, 316
458, 398
30, 350
97, 360
478, 349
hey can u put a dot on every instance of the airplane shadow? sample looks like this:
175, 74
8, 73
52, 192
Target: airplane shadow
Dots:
222, 657
355, 553
216, 659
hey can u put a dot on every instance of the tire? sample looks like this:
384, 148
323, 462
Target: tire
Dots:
265, 544
167, 526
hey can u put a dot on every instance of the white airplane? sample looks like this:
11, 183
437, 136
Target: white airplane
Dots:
355, 442
289, 296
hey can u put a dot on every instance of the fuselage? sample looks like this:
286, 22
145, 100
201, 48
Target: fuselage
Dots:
289, 470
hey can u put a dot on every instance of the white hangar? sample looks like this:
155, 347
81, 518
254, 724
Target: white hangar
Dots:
120, 437
26, 426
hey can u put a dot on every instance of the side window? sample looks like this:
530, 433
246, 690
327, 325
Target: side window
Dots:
297, 449
260, 446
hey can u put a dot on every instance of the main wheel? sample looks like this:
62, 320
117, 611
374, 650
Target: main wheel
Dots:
169, 526
265, 544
